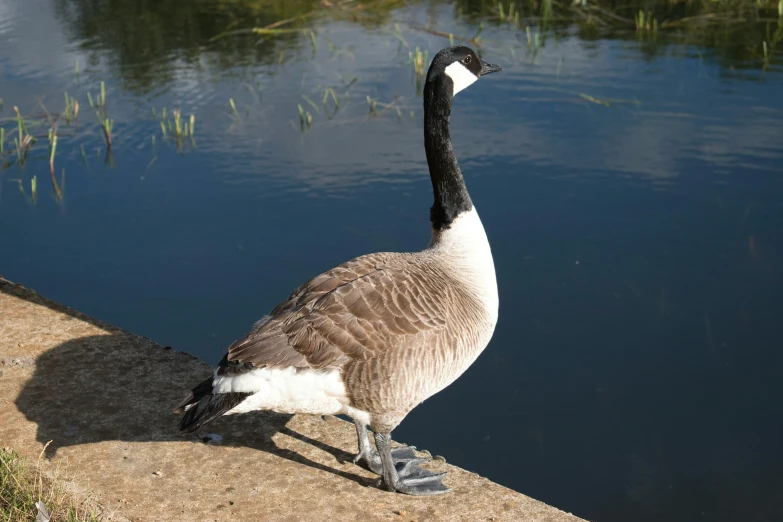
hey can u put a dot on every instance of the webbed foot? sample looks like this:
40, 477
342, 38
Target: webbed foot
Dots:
412, 479
406, 477
371, 460
368, 457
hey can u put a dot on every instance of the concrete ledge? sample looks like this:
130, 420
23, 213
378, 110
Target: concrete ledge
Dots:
103, 398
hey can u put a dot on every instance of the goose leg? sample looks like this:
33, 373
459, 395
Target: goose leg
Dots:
370, 459
408, 478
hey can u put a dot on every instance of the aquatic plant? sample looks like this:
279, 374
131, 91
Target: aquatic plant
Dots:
398, 35
645, 22
101, 112
177, 127
23, 141
106, 126
329, 91
234, 108
305, 118
52, 148
373, 106
71, 111
419, 60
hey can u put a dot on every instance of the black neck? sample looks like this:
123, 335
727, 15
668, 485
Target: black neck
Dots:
448, 185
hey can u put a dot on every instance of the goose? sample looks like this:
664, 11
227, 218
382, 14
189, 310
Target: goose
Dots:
377, 335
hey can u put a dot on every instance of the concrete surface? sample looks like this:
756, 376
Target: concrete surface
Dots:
103, 397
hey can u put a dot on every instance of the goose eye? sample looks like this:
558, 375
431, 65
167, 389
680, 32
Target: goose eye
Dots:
466, 59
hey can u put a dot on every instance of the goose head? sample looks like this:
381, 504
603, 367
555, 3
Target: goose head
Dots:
456, 68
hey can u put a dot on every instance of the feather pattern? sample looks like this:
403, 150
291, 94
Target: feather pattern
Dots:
399, 327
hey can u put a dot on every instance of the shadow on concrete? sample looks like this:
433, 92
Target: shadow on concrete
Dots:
123, 387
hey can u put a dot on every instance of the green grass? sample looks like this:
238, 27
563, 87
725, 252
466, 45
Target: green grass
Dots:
22, 486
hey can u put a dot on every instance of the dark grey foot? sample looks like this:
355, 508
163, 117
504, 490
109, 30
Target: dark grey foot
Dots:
406, 477
371, 460
368, 458
414, 480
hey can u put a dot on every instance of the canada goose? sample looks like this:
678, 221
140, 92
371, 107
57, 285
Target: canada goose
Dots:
376, 336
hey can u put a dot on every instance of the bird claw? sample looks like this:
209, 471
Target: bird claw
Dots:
414, 480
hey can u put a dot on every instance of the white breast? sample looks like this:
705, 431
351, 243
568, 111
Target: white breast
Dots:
464, 247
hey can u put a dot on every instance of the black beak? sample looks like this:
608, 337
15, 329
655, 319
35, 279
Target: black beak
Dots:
487, 68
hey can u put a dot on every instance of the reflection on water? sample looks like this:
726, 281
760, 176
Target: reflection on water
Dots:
628, 175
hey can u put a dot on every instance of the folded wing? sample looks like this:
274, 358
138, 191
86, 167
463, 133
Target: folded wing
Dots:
355, 311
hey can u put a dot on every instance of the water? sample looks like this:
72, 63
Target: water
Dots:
631, 190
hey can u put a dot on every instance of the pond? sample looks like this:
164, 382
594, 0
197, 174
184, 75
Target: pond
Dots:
627, 165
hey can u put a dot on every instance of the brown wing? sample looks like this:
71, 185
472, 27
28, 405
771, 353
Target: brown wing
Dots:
352, 312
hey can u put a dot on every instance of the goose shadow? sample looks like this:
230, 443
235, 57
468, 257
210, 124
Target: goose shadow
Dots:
121, 387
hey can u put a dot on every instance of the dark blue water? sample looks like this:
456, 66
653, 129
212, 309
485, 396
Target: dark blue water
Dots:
635, 373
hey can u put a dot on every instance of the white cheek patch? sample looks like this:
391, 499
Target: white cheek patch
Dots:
461, 76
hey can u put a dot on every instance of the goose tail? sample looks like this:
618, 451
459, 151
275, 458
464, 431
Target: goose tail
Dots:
201, 406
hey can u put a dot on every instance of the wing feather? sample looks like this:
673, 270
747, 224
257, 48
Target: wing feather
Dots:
355, 311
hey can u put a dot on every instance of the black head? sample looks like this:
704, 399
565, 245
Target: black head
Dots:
458, 66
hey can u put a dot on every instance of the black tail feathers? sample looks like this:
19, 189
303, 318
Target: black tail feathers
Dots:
202, 406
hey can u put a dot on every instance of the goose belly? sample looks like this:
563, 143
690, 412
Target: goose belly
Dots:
286, 391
